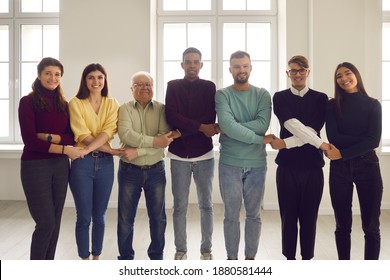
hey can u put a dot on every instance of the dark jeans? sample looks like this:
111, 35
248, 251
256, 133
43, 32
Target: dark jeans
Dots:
132, 180
364, 172
299, 196
45, 184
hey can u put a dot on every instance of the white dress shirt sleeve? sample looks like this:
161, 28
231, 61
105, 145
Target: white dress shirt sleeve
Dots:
305, 134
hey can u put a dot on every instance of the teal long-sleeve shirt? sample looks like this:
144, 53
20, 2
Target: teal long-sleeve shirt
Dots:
358, 130
244, 118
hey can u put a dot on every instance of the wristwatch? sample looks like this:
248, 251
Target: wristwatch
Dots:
49, 137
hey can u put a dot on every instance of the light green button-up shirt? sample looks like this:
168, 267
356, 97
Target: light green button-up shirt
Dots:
137, 127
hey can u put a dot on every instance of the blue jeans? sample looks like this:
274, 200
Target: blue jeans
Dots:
237, 184
364, 172
203, 172
91, 180
131, 181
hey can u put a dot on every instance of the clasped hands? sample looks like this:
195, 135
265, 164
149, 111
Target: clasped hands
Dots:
330, 151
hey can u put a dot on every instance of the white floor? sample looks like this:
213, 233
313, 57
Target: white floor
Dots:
16, 227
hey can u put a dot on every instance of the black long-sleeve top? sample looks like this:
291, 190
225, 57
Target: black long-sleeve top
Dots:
358, 130
187, 106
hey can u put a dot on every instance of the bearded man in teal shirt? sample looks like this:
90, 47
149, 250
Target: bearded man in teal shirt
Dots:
244, 113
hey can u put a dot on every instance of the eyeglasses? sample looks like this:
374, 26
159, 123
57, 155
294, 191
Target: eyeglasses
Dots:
147, 85
301, 71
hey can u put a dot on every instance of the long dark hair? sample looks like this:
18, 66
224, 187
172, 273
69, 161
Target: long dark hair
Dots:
83, 91
339, 92
38, 100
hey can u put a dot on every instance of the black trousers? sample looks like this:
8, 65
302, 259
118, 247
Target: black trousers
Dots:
364, 172
45, 185
299, 195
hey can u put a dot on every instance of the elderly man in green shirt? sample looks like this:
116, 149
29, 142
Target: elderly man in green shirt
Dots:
144, 133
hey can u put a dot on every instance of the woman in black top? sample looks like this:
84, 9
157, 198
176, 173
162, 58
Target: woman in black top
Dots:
353, 126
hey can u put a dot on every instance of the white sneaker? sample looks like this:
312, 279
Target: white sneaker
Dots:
206, 256
180, 256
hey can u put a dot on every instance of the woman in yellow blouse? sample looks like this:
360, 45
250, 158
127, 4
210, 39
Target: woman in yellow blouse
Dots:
93, 119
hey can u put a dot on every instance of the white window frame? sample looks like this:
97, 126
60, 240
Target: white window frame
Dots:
15, 19
216, 17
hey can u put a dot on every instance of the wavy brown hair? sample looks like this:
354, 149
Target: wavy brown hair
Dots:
38, 100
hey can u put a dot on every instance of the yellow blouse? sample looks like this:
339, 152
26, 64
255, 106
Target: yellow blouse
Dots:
84, 121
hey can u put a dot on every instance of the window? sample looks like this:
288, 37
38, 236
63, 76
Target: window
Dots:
386, 72
217, 28
28, 31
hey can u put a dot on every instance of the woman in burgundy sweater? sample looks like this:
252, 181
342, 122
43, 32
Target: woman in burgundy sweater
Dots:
47, 138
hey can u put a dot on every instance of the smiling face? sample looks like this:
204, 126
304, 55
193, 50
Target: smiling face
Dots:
142, 89
191, 65
95, 81
240, 68
50, 77
346, 80
298, 75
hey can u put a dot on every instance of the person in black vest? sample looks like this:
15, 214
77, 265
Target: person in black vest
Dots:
299, 177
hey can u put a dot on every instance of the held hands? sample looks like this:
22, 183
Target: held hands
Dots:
75, 152
210, 129
333, 153
163, 141
175, 134
268, 138
276, 143
129, 153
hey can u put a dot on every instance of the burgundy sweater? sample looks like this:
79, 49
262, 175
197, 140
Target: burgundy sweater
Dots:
32, 122
187, 106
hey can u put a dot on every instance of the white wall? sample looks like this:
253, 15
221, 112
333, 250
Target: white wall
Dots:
117, 34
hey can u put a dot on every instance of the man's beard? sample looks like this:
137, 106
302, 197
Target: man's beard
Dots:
238, 81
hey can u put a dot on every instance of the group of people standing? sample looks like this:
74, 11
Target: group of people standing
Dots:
54, 131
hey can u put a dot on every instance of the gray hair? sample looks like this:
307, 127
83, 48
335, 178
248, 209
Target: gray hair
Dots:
139, 74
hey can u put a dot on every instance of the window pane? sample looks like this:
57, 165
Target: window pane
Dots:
4, 6
4, 46
385, 119
199, 36
172, 70
259, 5
28, 75
51, 41
261, 75
259, 41
31, 6
385, 80
174, 5
233, 38
205, 72
197, 5
234, 5
386, 41
386, 5
174, 41
51, 6
227, 76
4, 80
31, 42
4, 117
39, 6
